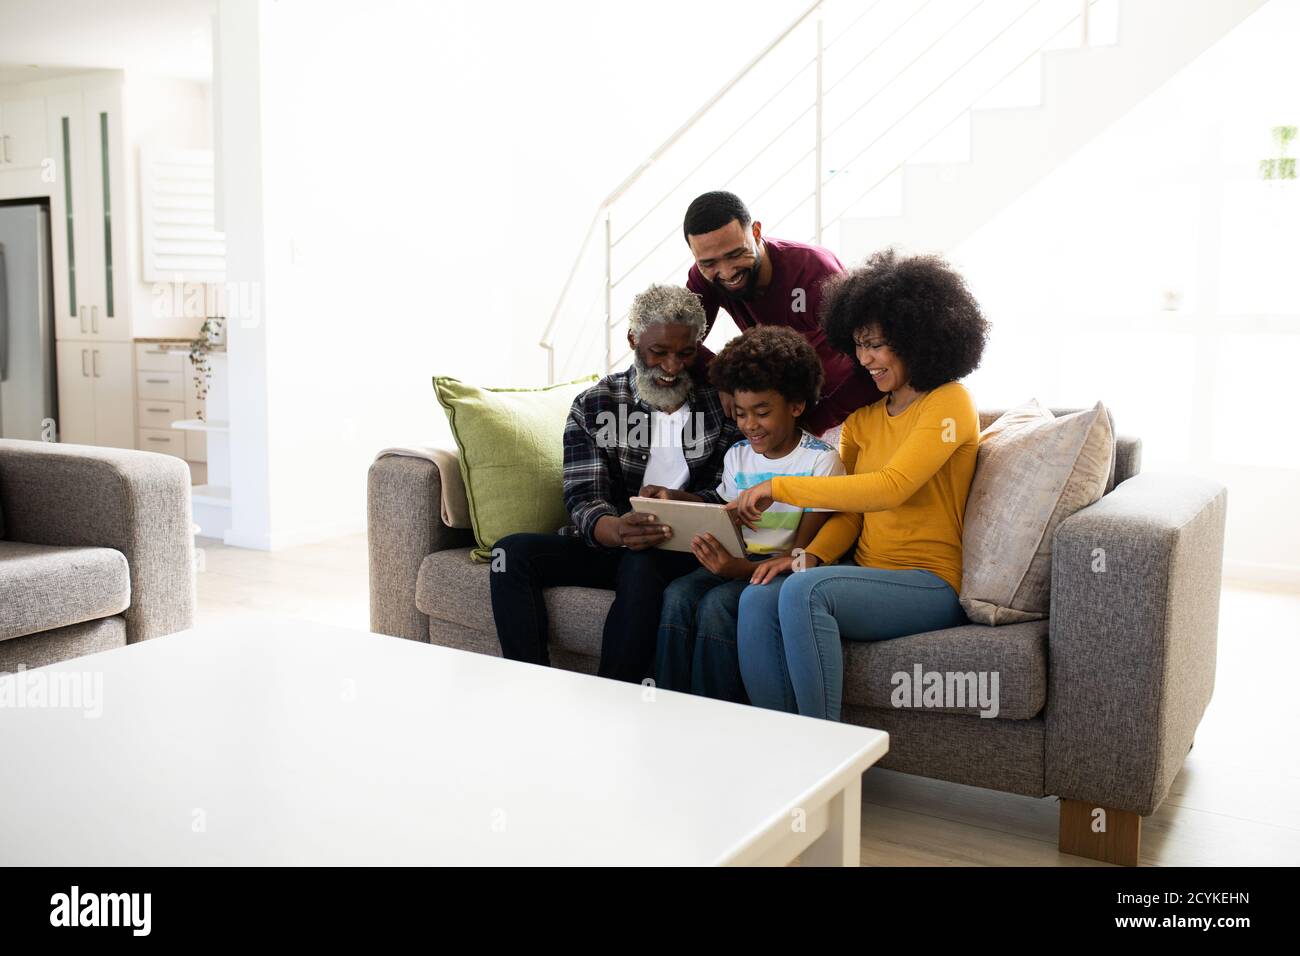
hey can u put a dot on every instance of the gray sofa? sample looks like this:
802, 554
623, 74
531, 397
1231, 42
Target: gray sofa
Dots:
96, 550
1098, 704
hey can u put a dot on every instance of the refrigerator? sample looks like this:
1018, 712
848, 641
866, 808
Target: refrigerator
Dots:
28, 389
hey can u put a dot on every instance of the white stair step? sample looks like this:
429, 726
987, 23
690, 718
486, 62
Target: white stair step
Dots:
1085, 90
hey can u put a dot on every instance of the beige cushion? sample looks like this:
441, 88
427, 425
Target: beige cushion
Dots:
1033, 472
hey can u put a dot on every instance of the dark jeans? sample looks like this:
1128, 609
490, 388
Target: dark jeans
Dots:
532, 562
696, 651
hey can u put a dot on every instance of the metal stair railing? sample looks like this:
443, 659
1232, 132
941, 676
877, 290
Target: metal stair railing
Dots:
816, 196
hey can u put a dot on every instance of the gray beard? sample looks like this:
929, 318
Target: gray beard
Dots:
655, 394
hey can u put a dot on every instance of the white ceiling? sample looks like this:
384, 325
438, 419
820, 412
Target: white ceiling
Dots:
162, 37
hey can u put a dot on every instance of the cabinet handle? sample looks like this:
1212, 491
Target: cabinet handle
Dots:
156, 438
85, 373
162, 410
95, 362
155, 351
4, 316
94, 319
82, 313
5, 138
158, 381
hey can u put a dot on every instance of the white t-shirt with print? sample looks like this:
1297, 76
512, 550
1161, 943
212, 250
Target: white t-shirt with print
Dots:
744, 468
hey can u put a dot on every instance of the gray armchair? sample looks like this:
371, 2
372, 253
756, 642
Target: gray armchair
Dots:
96, 550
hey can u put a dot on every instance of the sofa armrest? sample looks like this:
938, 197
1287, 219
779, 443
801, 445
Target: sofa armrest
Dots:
1132, 638
137, 502
404, 524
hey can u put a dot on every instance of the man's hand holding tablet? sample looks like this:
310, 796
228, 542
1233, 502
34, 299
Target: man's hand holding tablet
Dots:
635, 530
691, 521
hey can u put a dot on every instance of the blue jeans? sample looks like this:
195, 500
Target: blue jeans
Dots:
790, 630
696, 650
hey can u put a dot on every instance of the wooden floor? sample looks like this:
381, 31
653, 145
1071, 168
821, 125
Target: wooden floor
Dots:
1234, 802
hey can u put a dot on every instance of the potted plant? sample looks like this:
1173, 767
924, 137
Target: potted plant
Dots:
211, 332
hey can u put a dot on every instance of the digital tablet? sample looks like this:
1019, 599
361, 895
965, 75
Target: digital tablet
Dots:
689, 518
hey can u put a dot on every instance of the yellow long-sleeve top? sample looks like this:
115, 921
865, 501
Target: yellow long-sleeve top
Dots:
903, 494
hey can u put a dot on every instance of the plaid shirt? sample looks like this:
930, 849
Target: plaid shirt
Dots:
607, 448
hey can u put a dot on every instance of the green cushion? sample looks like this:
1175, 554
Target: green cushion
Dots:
511, 443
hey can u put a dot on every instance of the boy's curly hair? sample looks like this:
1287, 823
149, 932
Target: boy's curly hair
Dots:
924, 311
770, 357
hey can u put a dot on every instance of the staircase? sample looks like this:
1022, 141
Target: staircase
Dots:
1084, 90
831, 132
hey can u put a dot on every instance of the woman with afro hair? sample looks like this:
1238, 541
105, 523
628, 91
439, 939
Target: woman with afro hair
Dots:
912, 324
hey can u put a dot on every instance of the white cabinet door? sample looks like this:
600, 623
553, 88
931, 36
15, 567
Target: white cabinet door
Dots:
95, 394
92, 275
106, 215
69, 217
22, 134
112, 369
76, 393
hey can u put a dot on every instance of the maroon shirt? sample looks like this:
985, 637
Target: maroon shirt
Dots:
795, 265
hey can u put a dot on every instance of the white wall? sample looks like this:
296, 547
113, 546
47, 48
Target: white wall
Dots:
239, 164
1167, 207
592, 95
425, 175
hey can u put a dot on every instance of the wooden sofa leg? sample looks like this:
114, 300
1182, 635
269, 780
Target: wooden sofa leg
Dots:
1100, 833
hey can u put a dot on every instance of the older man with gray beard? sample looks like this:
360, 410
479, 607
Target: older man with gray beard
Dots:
650, 424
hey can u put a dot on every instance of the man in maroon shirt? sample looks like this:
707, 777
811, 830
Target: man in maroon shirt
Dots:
761, 281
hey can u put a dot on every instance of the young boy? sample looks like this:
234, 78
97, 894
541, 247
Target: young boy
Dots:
774, 375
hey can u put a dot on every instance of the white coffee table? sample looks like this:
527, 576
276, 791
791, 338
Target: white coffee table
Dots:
283, 742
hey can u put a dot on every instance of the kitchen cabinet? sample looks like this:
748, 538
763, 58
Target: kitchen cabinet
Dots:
91, 282
166, 441
22, 134
92, 322
164, 384
106, 164
66, 138
110, 365
70, 218
95, 382
76, 393
155, 414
